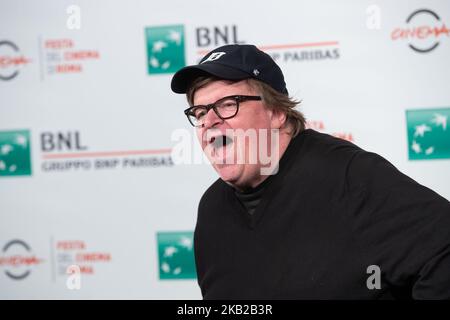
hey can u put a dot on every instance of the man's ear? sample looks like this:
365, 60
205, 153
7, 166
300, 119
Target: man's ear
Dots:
277, 119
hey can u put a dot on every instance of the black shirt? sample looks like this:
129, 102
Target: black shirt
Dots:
250, 198
331, 213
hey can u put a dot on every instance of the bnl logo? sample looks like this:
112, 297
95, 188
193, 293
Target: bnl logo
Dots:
15, 154
166, 44
428, 134
165, 49
176, 255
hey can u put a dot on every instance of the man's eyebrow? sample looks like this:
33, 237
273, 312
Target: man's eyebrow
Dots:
207, 104
227, 96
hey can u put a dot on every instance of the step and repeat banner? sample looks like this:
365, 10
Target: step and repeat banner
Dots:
92, 201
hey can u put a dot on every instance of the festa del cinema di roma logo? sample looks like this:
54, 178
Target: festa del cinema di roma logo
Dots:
423, 30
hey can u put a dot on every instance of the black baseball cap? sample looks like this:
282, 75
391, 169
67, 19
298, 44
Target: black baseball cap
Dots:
232, 62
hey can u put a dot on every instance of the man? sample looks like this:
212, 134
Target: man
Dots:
328, 221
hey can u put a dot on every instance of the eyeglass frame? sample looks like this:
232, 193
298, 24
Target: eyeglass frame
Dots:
237, 98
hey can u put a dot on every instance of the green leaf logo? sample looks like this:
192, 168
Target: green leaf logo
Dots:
176, 255
15, 155
428, 134
165, 49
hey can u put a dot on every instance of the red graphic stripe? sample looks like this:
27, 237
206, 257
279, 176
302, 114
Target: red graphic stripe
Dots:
105, 154
289, 46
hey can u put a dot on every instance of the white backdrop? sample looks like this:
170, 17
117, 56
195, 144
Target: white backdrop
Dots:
83, 83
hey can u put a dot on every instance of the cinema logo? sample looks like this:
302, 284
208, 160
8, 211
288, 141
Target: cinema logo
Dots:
63, 56
18, 259
423, 31
11, 60
71, 254
64, 151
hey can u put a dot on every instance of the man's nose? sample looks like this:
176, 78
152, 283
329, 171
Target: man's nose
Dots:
211, 119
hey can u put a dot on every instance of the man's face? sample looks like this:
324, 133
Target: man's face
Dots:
233, 159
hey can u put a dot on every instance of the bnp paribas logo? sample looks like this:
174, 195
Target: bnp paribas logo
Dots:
165, 49
176, 255
428, 134
15, 155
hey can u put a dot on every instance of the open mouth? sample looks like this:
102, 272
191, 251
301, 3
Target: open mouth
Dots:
220, 141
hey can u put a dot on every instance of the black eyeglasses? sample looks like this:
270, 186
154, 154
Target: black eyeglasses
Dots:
225, 108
